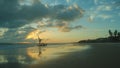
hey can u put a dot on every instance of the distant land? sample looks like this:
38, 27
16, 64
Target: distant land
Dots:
114, 37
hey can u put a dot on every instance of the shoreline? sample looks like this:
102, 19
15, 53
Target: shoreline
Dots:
100, 43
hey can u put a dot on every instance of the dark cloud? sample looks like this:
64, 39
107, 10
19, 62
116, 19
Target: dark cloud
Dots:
69, 15
16, 35
13, 15
19, 34
68, 28
63, 26
8, 12
12, 35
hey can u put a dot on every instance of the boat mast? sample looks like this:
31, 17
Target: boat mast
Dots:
39, 40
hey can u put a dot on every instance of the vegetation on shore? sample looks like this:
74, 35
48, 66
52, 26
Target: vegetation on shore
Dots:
113, 37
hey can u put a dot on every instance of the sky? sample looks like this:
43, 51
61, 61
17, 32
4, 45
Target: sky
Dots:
57, 21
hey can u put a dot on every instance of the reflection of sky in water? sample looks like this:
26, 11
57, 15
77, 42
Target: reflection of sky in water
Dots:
30, 55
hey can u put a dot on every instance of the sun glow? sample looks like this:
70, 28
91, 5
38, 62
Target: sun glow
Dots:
33, 35
42, 34
51, 36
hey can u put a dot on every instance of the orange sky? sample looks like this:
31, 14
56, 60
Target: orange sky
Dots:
51, 37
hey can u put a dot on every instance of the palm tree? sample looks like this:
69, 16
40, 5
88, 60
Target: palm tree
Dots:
110, 33
115, 33
118, 35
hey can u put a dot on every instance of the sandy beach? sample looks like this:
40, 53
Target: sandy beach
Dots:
69, 56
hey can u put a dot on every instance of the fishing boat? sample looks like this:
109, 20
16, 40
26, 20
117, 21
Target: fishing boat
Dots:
40, 42
40, 45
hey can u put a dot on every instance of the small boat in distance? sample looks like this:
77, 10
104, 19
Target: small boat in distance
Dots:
40, 42
40, 45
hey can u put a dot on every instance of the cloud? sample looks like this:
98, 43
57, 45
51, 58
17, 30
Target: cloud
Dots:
102, 11
3, 31
62, 26
70, 14
96, 2
15, 14
104, 8
8, 12
103, 16
34, 34
91, 17
22, 34
21, 17
116, 3
16, 35
67, 1
68, 28
12, 35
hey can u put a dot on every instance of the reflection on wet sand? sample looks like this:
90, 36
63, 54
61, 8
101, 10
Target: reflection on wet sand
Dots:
63, 56
50, 53
31, 55
2, 59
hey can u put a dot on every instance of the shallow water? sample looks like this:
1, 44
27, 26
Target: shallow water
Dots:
60, 56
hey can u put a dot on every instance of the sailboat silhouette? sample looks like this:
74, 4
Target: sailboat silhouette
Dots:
40, 45
40, 42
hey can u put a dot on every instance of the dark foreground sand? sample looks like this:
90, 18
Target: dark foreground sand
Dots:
98, 56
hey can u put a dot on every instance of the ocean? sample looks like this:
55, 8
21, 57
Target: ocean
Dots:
99, 55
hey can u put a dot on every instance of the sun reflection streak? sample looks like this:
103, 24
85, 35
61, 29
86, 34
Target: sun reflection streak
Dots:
50, 53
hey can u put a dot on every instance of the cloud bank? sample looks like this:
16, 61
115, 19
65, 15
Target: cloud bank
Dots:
17, 16
14, 13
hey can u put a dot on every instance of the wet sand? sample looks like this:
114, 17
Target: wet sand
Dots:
97, 56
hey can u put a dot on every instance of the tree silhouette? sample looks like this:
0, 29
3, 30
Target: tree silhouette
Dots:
119, 35
110, 33
115, 33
